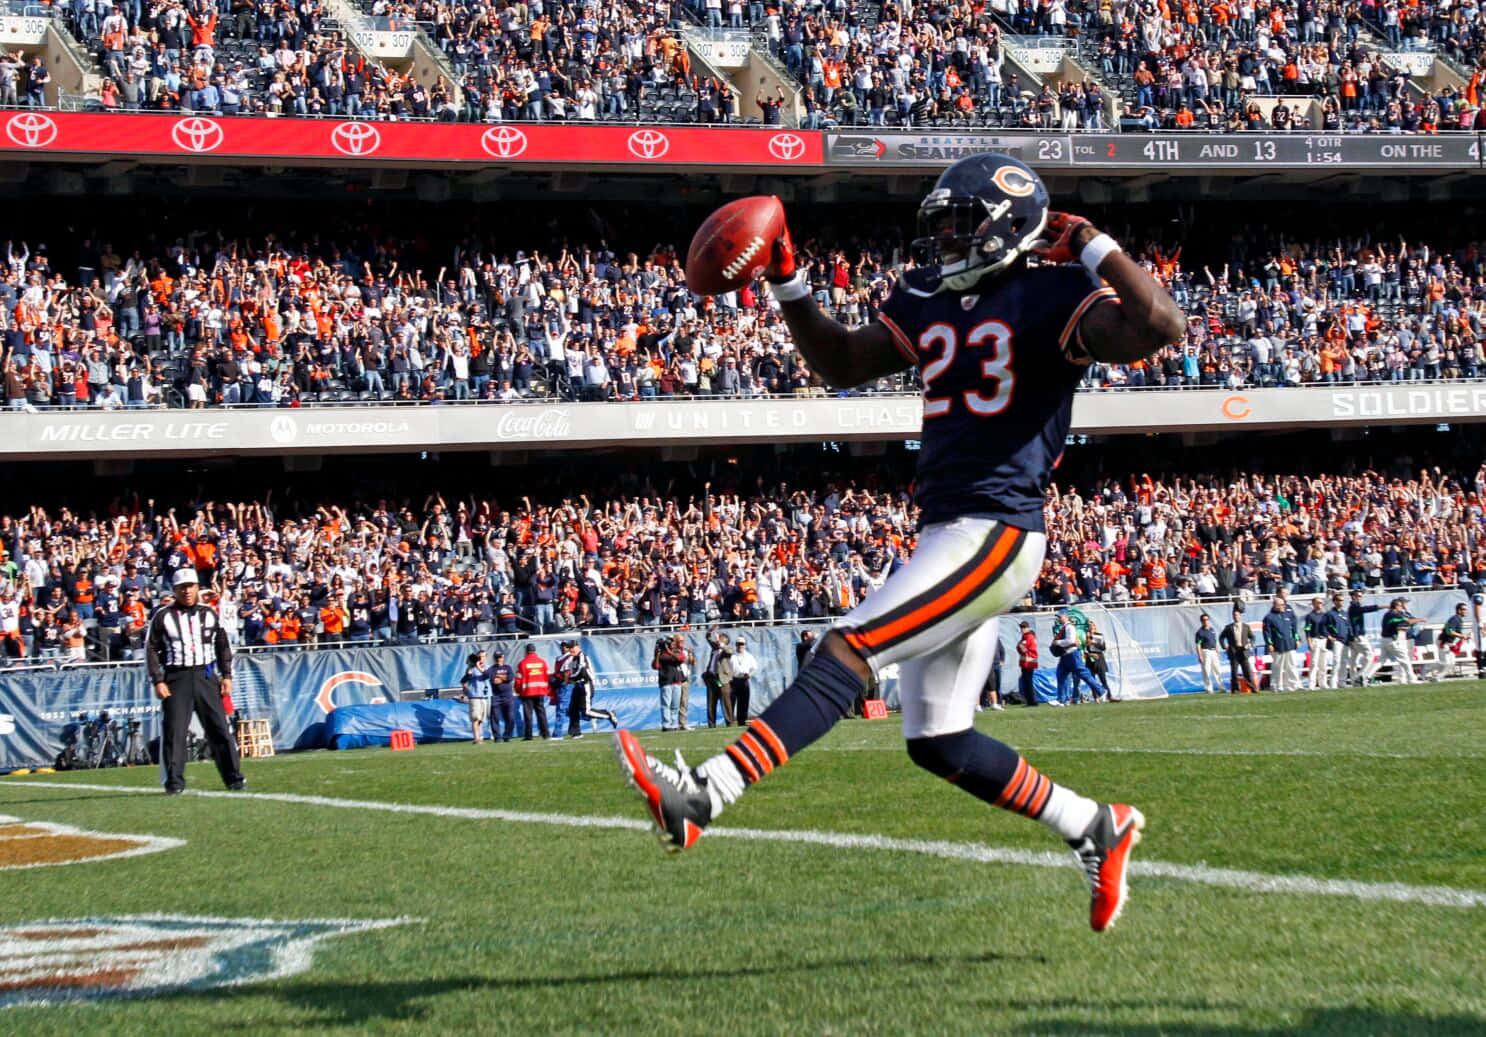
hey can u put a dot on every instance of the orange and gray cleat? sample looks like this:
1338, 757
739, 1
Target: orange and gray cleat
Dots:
676, 797
1103, 852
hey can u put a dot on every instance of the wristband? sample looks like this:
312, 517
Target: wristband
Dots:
793, 290
1096, 251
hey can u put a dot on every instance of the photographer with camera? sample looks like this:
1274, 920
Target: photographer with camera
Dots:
669, 659
476, 688
185, 638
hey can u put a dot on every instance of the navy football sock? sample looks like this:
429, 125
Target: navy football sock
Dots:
996, 773
977, 763
820, 696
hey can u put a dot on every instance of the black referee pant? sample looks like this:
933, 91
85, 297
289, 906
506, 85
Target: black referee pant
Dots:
740, 700
193, 689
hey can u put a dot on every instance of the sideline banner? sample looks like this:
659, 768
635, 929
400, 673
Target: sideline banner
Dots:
37, 705
1150, 656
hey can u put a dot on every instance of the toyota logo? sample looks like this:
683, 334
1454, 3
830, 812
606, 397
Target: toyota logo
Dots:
196, 134
355, 138
503, 142
648, 144
31, 129
786, 147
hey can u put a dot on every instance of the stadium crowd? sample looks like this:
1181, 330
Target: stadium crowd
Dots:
1202, 66
564, 61
392, 570
207, 321
1195, 65
246, 57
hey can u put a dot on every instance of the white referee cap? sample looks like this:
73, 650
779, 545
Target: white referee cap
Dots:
183, 576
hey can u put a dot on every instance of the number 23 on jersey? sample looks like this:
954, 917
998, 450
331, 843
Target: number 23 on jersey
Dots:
990, 342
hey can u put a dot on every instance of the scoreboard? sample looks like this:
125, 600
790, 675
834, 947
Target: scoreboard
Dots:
1196, 152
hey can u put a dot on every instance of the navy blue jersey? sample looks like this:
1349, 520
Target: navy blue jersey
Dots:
998, 387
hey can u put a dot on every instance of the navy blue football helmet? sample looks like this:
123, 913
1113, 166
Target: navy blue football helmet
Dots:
984, 213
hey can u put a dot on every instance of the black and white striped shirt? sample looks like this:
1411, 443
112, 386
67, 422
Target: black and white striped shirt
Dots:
181, 636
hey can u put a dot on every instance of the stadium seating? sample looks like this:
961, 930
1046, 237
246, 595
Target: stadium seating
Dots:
156, 331
260, 59
475, 566
1213, 66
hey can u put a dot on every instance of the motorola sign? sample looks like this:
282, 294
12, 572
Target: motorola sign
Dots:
283, 429
352, 430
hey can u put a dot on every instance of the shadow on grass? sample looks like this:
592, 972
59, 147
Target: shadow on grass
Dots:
49, 800
1350, 1021
351, 1004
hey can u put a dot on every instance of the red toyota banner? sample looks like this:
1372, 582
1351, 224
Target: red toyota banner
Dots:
188, 136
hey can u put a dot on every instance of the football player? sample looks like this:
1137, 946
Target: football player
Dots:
1000, 347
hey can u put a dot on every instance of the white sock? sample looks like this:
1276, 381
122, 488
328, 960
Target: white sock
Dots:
1068, 813
724, 781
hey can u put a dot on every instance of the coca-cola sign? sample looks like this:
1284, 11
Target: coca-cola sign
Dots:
544, 424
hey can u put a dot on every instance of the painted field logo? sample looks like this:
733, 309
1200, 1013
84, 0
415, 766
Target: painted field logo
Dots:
86, 959
41, 844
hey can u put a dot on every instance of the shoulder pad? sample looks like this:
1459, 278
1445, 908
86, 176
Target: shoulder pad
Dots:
923, 281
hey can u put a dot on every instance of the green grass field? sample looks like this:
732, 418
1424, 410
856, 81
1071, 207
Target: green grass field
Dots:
577, 922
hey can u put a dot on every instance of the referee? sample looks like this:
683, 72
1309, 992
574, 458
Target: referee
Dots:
183, 640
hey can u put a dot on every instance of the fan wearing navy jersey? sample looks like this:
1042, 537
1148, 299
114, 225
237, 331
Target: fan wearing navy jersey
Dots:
1000, 346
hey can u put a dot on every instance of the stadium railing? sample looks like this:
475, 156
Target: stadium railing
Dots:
493, 637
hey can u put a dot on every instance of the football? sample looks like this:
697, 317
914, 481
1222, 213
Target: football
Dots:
732, 247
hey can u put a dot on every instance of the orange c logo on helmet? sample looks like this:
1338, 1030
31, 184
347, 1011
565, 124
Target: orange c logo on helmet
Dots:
325, 698
1236, 408
1014, 181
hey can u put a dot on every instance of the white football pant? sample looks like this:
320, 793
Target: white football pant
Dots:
934, 617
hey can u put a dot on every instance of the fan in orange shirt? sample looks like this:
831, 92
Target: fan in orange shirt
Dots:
333, 619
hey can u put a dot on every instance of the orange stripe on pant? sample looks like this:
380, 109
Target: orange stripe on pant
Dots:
741, 759
765, 732
926, 614
756, 751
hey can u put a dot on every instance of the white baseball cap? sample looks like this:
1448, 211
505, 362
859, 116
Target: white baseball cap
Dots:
183, 576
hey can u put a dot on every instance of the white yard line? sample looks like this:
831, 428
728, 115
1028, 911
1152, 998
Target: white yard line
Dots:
1230, 878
